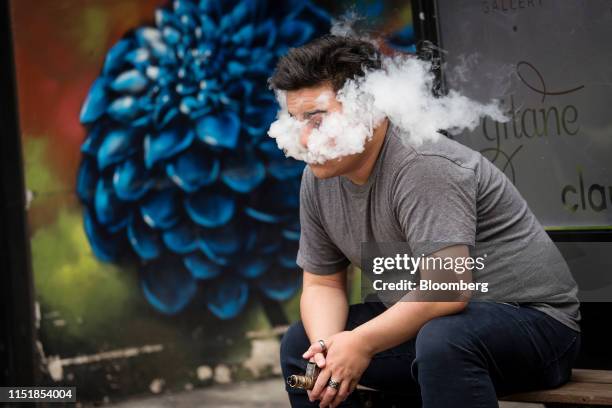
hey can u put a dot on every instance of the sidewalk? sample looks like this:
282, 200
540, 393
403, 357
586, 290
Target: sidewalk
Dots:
264, 394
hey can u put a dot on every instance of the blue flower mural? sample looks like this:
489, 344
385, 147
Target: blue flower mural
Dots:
177, 172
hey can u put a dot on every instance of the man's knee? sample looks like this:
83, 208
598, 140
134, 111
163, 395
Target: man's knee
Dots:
444, 339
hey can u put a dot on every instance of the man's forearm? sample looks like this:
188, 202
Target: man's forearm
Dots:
401, 322
324, 311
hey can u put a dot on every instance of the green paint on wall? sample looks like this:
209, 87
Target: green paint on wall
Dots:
91, 32
355, 285
291, 307
72, 285
38, 178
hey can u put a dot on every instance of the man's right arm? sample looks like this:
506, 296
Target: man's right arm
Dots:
324, 304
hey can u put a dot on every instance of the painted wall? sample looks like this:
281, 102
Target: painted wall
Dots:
163, 221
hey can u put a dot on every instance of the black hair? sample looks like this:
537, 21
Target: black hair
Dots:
328, 59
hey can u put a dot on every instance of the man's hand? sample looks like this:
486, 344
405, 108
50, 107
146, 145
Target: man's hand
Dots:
346, 360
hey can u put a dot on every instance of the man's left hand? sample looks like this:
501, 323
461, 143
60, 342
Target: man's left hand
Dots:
347, 358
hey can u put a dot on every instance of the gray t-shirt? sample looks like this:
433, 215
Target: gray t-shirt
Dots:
434, 195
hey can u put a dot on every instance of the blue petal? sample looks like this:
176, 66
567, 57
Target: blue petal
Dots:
144, 240
165, 17
166, 116
131, 181
270, 149
223, 241
239, 91
152, 39
118, 144
241, 12
280, 284
219, 130
139, 58
243, 174
242, 52
227, 298
161, 208
124, 109
285, 169
184, 7
142, 121
86, 179
262, 64
292, 233
94, 139
295, 32
225, 23
182, 238
264, 240
265, 34
269, 248
288, 8
258, 119
193, 169
220, 8
292, 194
252, 234
110, 210
210, 209
211, 255
200, 267
96, 102
168, 286
195, 107
131, 81
287, 261
274, 201
235, 69
260, 113
146, 102
286, 193
166, 144
317, 17
171, 35
188, 24
106, 247
262, 216
163, 52
115, 56
208, 27
253, 267
244, 35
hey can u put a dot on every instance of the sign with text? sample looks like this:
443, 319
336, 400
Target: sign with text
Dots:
549, 63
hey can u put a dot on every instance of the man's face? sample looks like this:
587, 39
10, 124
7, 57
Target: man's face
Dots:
312, 105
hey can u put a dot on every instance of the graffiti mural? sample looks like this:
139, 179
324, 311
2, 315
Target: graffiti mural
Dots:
163, 221
177, 162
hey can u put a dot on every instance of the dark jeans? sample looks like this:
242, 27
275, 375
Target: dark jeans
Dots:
462, 360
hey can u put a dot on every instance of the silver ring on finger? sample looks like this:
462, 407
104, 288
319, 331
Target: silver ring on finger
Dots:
322, 344
333, 384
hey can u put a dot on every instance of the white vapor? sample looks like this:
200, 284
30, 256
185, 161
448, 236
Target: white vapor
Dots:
400, 91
